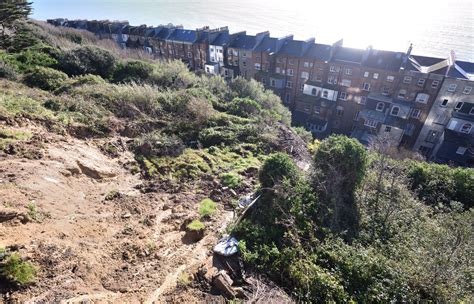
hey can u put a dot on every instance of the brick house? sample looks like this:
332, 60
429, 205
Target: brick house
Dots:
240, 55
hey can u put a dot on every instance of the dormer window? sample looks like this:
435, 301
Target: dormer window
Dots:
466, 128
407, 79
395, 111
314, 91
452, 87
467, 90
380, 106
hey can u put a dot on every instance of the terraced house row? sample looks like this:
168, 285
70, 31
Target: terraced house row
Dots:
421, 103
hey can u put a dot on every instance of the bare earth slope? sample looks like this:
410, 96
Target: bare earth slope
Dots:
77, 215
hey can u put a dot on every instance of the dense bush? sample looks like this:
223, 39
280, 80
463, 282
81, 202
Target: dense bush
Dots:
7, 71
133, 71
244, 107
45, 78
88, 60
440, 184
277, 167
158, 144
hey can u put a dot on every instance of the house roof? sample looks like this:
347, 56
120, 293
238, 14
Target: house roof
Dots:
162, 33
221, 40
319, 52
384, 60
422, 63
268, 44
182, 35
349, 55
462, 70
246, 42
293, 48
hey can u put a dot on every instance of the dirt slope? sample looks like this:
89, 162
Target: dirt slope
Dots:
78, 215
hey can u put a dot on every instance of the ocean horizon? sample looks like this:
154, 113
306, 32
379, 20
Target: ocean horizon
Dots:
434, 27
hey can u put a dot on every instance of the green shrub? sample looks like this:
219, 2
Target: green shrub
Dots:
136, 71
18, 271
45, 78
244, 107
7, 71
207, 208
304, 134
277, 167
231, 180
88, 60
158, 144
196, 225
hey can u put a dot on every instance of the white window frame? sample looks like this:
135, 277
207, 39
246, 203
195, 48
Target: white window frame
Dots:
435, 84
314, 91
306, 64
366, 74
467, 130
366, 86
376, 76
422, 98
402, 96
332, 69
378, 108
346, 82
442, 103
390, 78
272, 83
371, 123
258, 66
343, 96
393, 108
289, 84
467, 90
348, 71
325, 94
415, 113
305, 75
421, 82
458, 105
452, 87
290, 72
407, 79
278, 70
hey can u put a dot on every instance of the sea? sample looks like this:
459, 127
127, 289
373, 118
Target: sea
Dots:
434, 27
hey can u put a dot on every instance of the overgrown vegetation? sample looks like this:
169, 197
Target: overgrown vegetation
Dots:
207, 208
354, 231
17, 271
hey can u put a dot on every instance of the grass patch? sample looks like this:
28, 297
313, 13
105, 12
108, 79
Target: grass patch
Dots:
231, 180
8, 137
184, 279
33, 212
18, 271
207, 208
196, 225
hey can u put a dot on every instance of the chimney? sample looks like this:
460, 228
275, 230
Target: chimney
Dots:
281, 41
410, 48
307, 44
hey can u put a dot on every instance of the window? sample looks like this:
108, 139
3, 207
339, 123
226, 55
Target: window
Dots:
305, 75
264, 81
306, 64
402, 94
325, 94
390, 78
314, 91
220, 51
244, 54
302, 87
444, 103
380, 106
229, 52
317, 109
332, 80
258, 67
356, 116
244, 63
422, 98
432, 136
346, 83
340, 111
226, 72
471, 112
190, 55
318, 77
291, 62
376, 75
370, 123
421, 82
208, 70
278, 60
407, 79
290, 72
467, 90
452, 87
385, 91
348, 71
366, 86
363, 100
333, 69
416, 113
388, 129
289, 84
466, 128
461, 150
458, 105
395, 111
366, 74
435, 84
277, 70
288, 98
272, 83
343, 96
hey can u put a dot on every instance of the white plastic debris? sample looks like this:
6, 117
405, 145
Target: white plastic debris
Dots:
227, 246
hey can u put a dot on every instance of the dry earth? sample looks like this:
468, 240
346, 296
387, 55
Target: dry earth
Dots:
80, 218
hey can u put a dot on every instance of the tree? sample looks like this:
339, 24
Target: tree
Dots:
339, 167
12, 11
